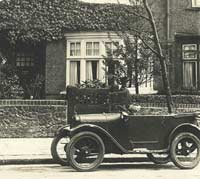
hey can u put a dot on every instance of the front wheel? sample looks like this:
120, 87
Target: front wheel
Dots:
185, 150
85, 151
159, 158
58, 149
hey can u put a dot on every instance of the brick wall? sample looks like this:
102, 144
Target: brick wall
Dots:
183, 18
183, 21
42, 118
31, 118
184, 28
55, 69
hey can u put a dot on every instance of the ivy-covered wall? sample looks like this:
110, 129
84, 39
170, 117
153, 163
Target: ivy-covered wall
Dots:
31, 120
37, 20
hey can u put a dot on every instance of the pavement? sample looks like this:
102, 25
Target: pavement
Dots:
25, 150
37, 151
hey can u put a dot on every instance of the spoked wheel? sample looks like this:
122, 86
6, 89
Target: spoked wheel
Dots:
159, 158
85, 151
185, 150
58, 149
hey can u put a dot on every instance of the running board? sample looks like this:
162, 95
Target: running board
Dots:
145, 151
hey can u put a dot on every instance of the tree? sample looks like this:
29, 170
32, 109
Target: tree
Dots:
137, 61
150, 39
133, 66
160, 55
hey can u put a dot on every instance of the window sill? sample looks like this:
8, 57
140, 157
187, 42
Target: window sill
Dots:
193, 9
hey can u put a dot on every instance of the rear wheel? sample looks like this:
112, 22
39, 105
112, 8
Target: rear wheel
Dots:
185, 150
85, 151
58, 149
159, 158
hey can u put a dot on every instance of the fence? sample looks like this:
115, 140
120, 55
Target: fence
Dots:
164, 105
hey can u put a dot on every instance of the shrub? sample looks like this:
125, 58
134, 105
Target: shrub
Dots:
10, 87
34, 87
92, 84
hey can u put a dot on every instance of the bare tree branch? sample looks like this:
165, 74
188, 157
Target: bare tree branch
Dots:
161, 57
151, 48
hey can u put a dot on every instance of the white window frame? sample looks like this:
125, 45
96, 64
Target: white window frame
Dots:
69, 49
112, 47
196, 3
183, 51
83, 38
92, 56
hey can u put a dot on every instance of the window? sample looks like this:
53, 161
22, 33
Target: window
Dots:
190, 75
92, 48
92, 70
195, 3
74, 72
111, 47
75, 49
190, 63
24, 60
189, 51
85, 57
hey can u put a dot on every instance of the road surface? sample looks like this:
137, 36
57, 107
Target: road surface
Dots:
143, 170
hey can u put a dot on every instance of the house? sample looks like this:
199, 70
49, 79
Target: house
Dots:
181, 33
76, 48
83, 60
76, 52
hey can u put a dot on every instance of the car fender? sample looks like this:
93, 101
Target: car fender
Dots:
186, 127
63, 131
97, 129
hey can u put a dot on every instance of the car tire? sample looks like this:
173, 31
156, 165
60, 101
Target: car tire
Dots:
59, 158
181, 147
81, 145
159, 160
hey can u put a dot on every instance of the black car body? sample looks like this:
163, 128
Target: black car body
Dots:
176, 136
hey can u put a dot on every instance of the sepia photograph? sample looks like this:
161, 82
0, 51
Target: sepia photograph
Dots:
96, 89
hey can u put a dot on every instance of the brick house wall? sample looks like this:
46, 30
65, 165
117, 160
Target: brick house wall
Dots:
55, 69
184, 29
178, 26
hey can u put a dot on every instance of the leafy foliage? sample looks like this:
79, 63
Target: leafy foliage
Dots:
10, 87
132, 62
92, 84
37, 20
34, 87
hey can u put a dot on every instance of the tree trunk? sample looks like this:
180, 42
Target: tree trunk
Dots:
161, 58
136, 68
111, 72
130, 74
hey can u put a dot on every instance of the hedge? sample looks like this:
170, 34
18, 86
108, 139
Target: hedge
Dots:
177, 99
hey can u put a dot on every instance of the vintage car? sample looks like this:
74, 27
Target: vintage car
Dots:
174, 137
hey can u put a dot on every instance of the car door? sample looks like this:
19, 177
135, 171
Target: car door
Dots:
146, 131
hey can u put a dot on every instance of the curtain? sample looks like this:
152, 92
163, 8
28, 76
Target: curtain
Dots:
189, 75
89, 71
97, 70
92, 70
73, 73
